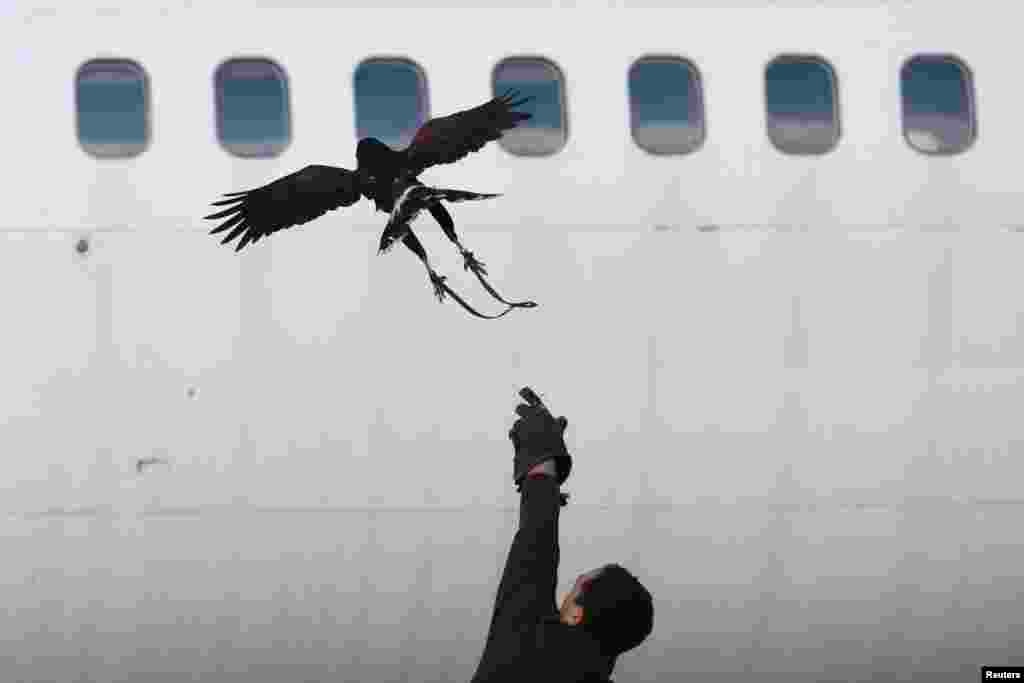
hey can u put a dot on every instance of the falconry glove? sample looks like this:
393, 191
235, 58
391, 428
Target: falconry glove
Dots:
537, 436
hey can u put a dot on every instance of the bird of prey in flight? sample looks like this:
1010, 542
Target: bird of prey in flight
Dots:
388, 177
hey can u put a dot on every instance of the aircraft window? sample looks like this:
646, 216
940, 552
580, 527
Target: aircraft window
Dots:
391, 100
253, 115
112, 107
800, 105
546, 133
938, 104
666, 109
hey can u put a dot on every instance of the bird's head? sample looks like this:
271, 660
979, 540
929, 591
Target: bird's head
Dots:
372, 152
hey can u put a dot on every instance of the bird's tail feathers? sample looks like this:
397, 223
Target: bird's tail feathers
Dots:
449, 195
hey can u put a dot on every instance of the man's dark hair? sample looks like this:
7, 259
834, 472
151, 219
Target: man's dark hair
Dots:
617, 610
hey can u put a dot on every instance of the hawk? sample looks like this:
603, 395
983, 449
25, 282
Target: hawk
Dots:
387, 176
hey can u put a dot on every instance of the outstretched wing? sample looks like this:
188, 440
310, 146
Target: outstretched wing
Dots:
449, 138
292, 200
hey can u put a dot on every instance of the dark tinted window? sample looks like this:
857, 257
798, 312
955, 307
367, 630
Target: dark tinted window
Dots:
801, 111
112, 108
666, 108
253, 114
391, 100
938, 104
547, 132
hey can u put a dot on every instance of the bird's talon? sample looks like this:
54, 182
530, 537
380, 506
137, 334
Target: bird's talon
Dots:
438, 282
471, 263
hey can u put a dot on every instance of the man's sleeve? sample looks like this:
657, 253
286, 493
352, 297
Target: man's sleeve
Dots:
527, 589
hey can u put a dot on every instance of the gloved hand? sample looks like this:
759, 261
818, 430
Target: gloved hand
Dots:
536, 437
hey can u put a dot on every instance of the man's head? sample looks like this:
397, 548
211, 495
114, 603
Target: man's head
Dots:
612, 605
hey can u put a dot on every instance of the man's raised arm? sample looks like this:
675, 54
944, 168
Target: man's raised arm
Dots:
527, 589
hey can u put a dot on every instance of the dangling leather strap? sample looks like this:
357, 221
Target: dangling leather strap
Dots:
510, 304
470, 309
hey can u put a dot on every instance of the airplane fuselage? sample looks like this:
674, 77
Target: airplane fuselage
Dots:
778, 255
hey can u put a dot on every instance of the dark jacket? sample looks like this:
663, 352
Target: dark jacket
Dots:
526, 642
